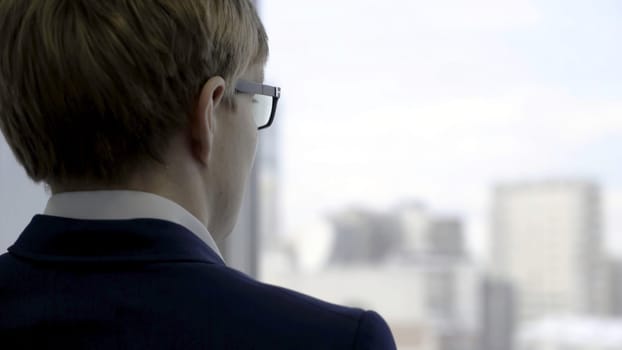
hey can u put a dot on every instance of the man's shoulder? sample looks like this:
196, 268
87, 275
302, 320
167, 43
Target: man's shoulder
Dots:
203, 298
243, 289
9, 268
280, 297
294, 315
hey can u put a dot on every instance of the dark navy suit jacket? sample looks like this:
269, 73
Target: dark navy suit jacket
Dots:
152, 284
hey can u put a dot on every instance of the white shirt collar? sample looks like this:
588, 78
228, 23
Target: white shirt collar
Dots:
123, 205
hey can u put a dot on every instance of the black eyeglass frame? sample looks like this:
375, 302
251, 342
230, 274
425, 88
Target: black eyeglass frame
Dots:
249, 87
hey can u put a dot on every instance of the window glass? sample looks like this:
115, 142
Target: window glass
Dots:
453, 165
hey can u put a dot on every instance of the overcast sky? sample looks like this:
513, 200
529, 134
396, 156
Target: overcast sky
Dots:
385, 101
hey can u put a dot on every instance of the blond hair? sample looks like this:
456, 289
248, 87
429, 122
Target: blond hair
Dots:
93, 89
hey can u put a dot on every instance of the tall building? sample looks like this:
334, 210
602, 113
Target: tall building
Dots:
615, 306
612, 305
547, 242
414, 220
425, 233
363, 237
497, 303
445, 237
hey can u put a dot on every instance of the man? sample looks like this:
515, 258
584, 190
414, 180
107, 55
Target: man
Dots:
142, 118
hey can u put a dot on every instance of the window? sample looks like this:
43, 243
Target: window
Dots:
469, 117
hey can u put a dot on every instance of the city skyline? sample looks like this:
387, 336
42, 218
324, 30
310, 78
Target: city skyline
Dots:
550, 272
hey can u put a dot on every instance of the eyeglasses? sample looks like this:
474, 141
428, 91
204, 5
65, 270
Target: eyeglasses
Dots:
265, 99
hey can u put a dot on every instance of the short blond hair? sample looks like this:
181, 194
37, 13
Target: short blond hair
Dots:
92, 90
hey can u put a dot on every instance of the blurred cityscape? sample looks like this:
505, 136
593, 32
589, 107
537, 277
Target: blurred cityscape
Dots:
479, 143
550, 285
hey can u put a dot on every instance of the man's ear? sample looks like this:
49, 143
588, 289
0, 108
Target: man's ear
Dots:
201, 124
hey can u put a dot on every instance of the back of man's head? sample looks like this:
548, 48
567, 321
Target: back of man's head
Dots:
93, 90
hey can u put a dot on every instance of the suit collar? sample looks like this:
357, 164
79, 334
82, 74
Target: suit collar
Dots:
57, 239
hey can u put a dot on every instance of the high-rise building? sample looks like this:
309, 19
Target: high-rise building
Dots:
612, 282
445, 237
497, 303
363, 237
426, 233
615, 306
414, 223
546, 241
